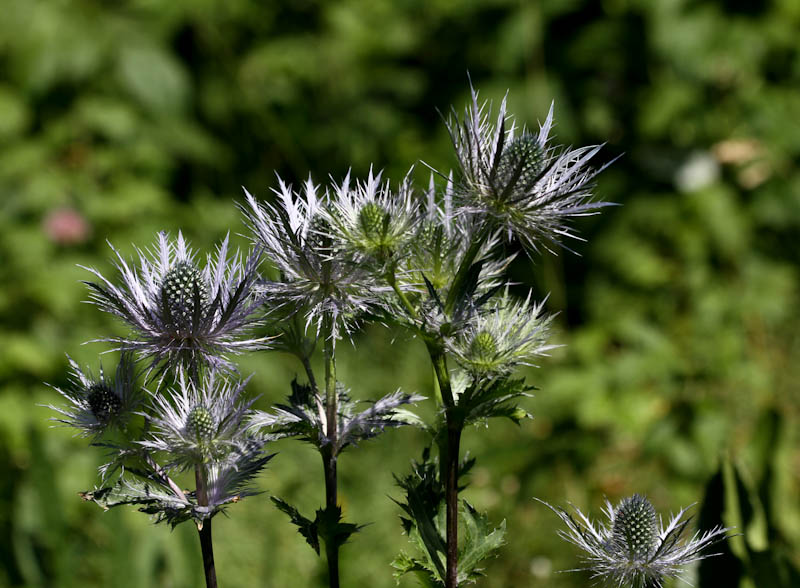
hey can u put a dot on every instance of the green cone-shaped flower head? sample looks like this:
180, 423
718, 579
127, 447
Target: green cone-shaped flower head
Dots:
635, 528
182, 289
200, 423
103, 402
521, 162
372, 217
483, 346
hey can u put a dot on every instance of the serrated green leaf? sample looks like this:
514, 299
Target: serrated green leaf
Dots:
479, 542
306, 527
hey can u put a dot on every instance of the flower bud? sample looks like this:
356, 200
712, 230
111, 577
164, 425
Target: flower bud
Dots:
182, 287
200, 423
372, 217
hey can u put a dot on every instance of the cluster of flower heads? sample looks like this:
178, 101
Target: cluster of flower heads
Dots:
317, 278
435, 262
634, 548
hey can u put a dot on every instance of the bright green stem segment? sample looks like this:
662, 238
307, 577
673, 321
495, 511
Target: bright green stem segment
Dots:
391, 277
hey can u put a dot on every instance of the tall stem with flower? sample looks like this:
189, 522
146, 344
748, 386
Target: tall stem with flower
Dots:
184, 321
323, 292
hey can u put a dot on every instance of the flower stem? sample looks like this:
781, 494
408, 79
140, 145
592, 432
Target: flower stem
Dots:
204, 529
329, 452
450, 459
391, 277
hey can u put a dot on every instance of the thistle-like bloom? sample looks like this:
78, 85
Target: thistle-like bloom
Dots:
317, 277
526, 187
97, 404
371, 219
180, 313
496, 340
635, 549
201, 424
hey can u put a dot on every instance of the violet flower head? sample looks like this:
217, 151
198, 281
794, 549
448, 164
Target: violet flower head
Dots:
99, 403
199, 424
517, 180
634, 549
182, 314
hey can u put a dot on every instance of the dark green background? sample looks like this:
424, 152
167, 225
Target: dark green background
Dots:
679, 319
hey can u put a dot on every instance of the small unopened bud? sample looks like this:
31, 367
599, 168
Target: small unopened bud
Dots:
483, 346
372, 217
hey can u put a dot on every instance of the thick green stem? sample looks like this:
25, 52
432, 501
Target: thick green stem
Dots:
329, 453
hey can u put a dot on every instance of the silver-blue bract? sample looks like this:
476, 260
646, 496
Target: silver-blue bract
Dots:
634, 549
518, 181
496, 339
182, 314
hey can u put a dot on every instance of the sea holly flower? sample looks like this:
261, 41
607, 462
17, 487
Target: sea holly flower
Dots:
524, 186
634, 549
180, 313
200, 423
497, 339
97, 404
373, 220
318, 278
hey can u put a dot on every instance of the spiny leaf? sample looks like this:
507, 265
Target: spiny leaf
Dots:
306, 527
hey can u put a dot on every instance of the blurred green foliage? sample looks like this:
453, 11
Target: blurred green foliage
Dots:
680, 319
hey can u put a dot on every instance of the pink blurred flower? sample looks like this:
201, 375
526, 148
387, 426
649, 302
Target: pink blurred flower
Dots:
66, 226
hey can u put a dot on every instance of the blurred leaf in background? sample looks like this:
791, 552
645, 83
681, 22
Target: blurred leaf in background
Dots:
680, 319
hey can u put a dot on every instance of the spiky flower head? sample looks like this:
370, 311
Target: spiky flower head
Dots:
634, 549
516, 180
318, 278
97, 404
199, 424
181, 313
372, 220
497, 339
